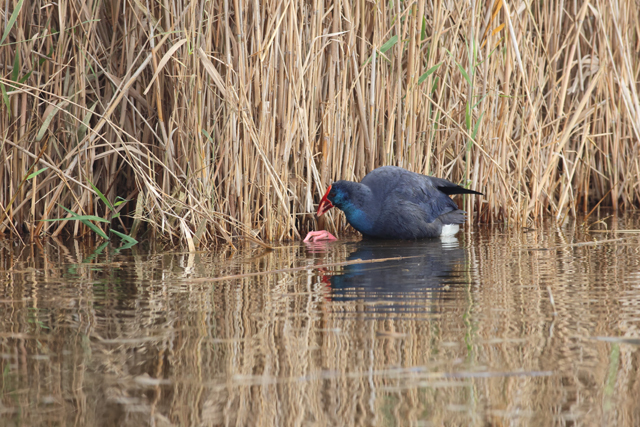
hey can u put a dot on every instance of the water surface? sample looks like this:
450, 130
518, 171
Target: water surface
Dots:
498, 326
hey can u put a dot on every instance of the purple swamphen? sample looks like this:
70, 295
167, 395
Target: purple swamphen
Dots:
394, 203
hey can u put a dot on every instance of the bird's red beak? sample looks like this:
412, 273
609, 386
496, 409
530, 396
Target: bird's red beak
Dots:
325, 204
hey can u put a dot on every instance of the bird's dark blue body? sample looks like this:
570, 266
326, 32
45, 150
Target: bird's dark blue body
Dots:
394, 203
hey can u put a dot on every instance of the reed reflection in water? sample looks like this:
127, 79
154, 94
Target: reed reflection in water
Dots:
496, 327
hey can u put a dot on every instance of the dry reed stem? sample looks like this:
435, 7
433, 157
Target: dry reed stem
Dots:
227, 119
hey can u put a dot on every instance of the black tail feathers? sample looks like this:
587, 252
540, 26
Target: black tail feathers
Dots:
457, 190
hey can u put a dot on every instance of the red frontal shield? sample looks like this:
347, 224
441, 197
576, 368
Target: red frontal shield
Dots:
325, 203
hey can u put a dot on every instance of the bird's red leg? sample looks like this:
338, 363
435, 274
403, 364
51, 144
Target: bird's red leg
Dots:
317, 236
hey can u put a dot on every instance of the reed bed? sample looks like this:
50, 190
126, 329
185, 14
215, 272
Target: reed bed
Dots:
226, 119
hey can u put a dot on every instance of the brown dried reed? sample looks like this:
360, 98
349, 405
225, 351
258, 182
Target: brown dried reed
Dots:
229, 118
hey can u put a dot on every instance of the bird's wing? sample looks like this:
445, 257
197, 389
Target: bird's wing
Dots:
429, 199
431, 194
406, 214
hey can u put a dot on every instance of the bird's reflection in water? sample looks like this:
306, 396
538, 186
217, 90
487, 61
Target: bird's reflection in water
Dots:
423, 274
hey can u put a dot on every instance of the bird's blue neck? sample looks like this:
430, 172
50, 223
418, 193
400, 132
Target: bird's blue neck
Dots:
358, 219
353, 208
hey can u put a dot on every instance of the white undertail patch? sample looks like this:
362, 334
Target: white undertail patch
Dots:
449, 229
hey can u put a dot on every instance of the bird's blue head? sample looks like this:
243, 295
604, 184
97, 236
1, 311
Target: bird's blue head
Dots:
336, 195
349, 197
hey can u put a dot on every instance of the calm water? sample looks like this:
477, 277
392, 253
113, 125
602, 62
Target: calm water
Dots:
496, 327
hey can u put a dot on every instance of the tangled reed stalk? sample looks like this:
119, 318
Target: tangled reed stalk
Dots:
229, 118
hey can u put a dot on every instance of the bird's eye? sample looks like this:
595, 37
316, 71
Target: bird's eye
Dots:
332, 193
